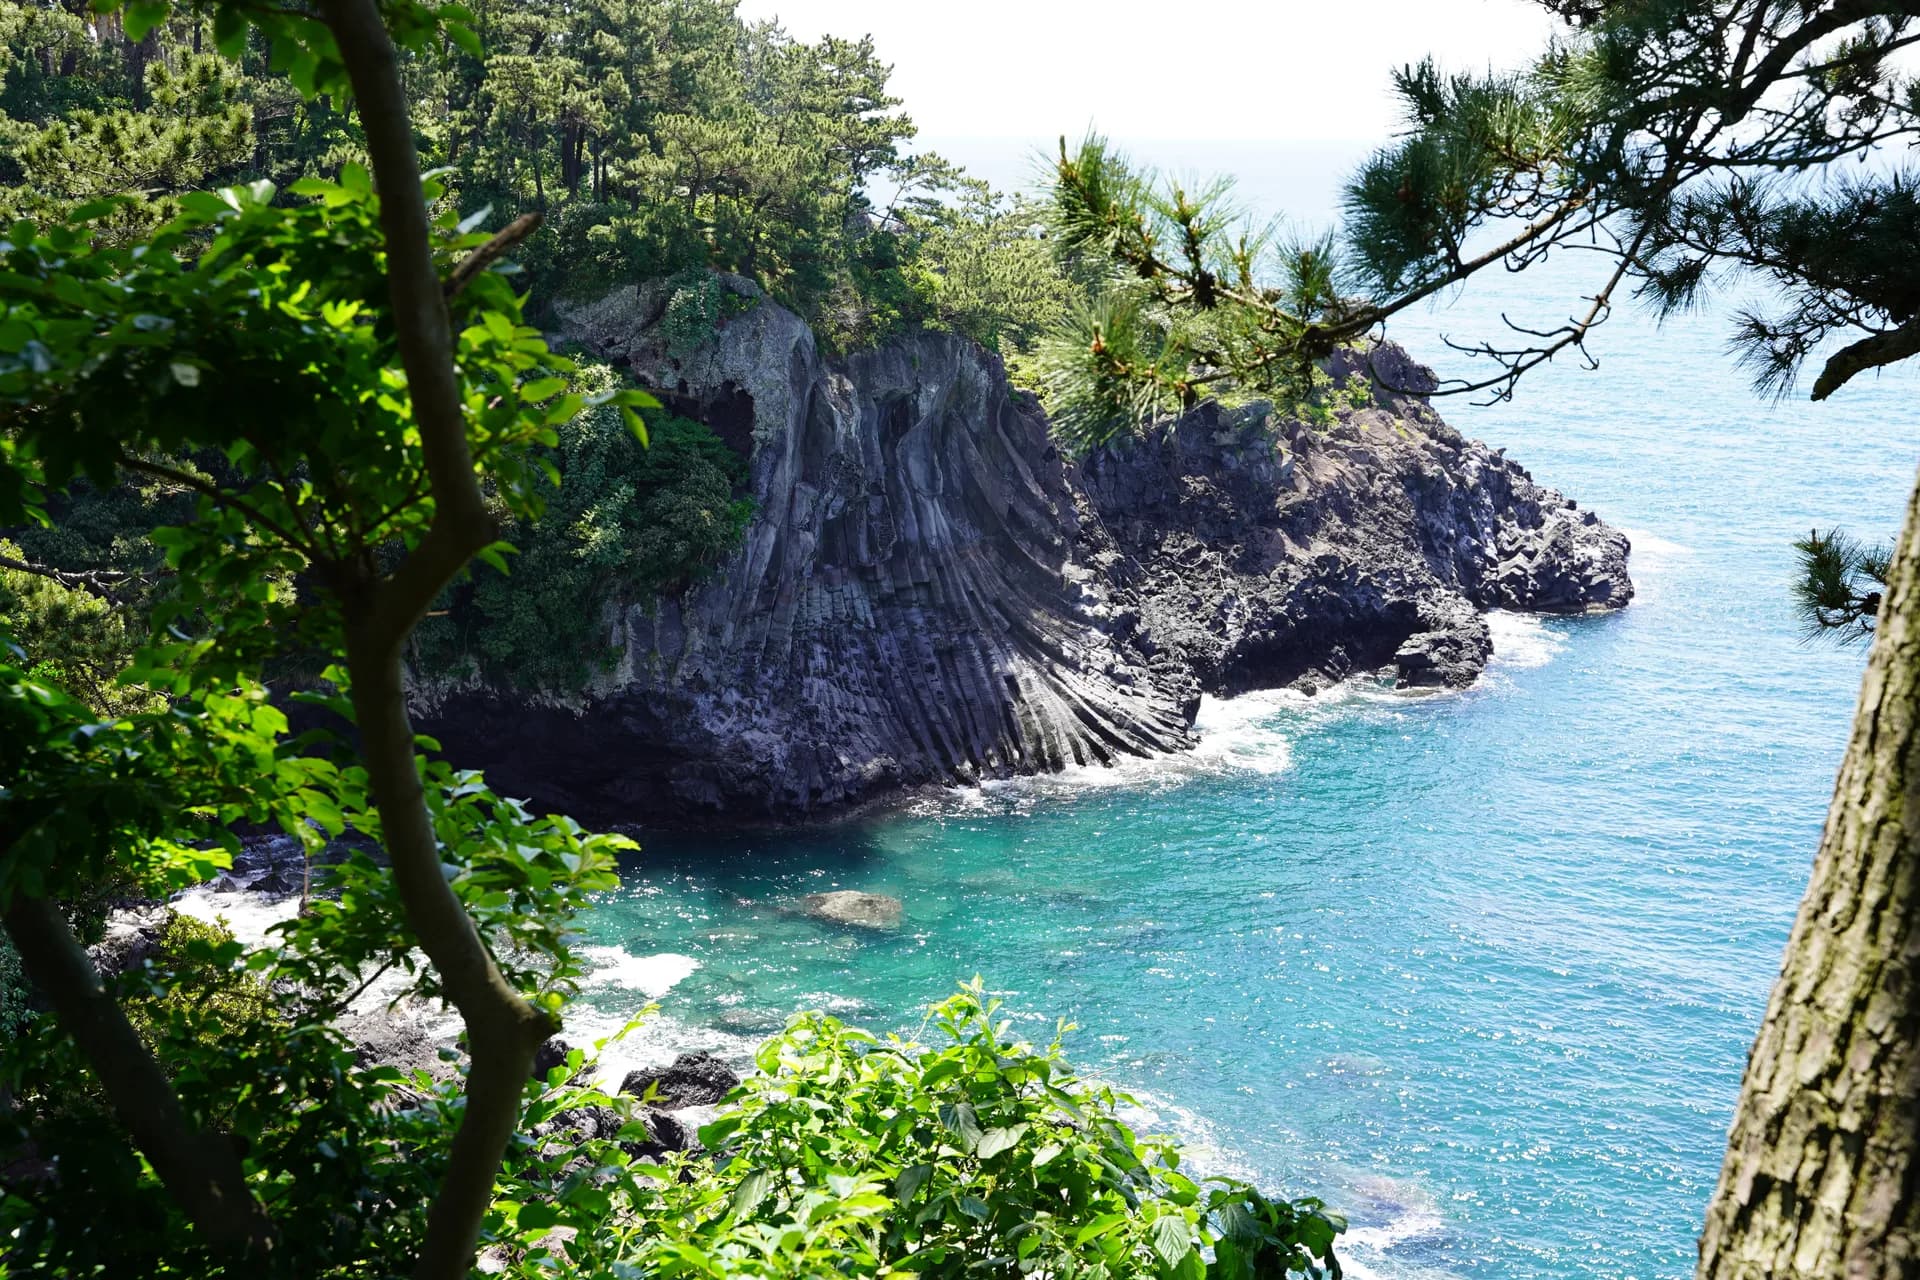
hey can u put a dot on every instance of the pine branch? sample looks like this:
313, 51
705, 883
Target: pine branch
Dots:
1869, 353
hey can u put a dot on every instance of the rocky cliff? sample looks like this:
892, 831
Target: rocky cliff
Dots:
929, 592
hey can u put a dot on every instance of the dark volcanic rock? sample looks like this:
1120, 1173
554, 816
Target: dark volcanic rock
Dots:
1262, 553
1451, 652
551, 1053
130, 937
929, 593
694, 1080
906, 608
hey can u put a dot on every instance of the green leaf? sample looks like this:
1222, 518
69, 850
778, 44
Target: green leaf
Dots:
751, 1191
911, 1179
636, 425
537, 1217
1171, 1239
994, 1141
713, 1136
462, 35
963, 1123
94, 210
1098, 1227
1236, 1223
142, 16
229, 30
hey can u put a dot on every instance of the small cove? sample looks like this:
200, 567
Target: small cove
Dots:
1479, 968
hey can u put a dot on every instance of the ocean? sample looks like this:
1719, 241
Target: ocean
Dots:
1480, 969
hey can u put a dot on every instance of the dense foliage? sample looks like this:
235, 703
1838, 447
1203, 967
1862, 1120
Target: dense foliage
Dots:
851, 1155
657, 137
279, 423
629, 523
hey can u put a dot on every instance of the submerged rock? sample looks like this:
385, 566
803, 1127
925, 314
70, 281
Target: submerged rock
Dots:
695, 1079
930, 593
853, 907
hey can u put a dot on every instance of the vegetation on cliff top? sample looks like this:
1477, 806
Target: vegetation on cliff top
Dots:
334, 396
654, 137
657, 141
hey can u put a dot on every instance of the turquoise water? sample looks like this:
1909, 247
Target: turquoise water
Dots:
1479, 968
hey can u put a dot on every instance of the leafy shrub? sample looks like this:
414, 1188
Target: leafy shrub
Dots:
629, 523
199, 988
692, 313
851, 1155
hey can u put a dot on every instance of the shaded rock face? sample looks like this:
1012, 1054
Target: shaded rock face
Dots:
1262, 554
906, 607
930, 593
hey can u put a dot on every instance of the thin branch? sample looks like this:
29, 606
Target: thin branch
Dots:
340, 1006
487, 254
222, 496
99, 582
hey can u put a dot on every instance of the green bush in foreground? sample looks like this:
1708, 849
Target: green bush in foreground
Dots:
852, 1155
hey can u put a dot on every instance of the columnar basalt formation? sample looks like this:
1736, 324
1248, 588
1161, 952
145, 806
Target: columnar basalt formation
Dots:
930, 593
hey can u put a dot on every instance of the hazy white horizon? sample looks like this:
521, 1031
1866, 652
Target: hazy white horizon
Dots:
1288, 71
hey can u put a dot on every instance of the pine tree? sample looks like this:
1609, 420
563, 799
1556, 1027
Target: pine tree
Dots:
1692, 144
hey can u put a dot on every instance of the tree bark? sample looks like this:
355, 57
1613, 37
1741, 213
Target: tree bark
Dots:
503, 1028
1819, 1179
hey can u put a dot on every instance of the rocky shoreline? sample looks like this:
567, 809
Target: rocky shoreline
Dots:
271, 877
930, 594
671, 1098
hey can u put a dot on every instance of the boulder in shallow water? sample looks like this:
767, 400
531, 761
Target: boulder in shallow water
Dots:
694, 1080
854, 907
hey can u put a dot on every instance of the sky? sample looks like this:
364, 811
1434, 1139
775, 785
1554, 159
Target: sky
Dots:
1296, 71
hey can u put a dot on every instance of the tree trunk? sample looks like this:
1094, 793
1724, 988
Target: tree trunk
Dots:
503, 1028
1820, 1176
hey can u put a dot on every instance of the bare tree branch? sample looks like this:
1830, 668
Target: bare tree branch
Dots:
98, 582
489, 253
